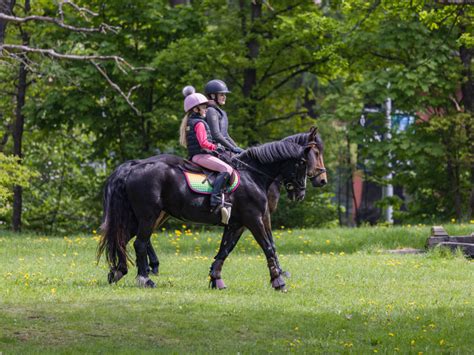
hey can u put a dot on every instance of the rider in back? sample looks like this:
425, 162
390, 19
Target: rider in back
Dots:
216, 117
195, 135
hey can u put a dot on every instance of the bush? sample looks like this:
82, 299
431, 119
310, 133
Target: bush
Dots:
316, 210
11, 173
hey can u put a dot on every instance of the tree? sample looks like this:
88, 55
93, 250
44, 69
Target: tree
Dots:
404, 50
20, 53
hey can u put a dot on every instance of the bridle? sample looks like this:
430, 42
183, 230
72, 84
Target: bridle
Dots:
289, 182
319, 171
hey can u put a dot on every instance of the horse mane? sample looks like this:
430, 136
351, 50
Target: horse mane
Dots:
274, 152
302, 139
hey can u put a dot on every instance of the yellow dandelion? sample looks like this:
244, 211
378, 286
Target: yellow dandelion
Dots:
442, 342
413, 342
53, 291
328, 241
391, 334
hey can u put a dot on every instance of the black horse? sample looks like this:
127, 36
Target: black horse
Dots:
316, 174
140, 194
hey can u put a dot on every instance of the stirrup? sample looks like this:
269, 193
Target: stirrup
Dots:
225, 214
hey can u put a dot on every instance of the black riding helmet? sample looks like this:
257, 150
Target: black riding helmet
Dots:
216, 86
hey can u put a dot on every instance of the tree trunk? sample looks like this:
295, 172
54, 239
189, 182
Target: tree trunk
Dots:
253, 48
467, 87
18, 126
466, 55
6, 7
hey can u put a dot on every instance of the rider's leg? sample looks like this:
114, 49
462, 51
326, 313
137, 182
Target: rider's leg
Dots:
225, 170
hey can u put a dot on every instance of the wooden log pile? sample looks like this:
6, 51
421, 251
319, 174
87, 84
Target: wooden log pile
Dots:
440, 238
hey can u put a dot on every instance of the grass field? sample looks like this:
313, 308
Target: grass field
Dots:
346, 294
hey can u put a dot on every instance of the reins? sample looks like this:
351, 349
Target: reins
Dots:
252, 168
288, 184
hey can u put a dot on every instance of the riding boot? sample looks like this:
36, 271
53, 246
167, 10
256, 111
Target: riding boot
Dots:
217, 189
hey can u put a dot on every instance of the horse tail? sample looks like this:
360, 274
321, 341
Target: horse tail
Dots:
117, 219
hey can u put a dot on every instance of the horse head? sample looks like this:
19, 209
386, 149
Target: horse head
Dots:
314, 150
294, 174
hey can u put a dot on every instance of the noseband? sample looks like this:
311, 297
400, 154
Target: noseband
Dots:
319, 171
292, 181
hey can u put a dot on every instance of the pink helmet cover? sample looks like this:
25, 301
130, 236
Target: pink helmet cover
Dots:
192, 98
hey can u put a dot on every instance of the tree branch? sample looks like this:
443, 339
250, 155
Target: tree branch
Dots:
367, 15
267, 74
82, 10
281, 118
121, 63
286, 9
288, 78
103, 28
117, 88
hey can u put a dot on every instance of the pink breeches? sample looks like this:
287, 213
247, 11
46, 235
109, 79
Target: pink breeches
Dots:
212, 163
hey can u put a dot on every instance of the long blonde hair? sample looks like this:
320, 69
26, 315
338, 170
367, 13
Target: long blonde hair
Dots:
182, 131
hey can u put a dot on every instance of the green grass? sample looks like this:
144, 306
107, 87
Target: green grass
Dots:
346, 294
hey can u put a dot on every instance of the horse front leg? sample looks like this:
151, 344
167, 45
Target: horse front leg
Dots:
265, 239
232, 234
268, 230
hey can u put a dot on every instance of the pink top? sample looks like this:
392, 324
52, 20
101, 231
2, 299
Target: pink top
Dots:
201, 136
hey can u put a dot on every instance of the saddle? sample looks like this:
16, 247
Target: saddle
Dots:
201, 180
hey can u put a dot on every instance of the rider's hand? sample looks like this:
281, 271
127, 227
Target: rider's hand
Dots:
237, 150
220, 148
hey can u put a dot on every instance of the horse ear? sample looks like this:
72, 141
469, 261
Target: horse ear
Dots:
313, 131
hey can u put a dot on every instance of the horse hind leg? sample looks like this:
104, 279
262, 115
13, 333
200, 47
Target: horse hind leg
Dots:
145, 228
154, 262
115, 274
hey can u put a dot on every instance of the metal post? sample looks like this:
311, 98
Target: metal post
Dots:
388, 190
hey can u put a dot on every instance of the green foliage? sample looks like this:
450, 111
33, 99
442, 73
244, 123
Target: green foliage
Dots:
317, 211
67, 196
12, 173
290, 65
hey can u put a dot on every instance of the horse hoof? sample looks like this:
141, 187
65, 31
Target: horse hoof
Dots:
220, 284
281, 289
217, 284
154, 270
150, 284
145, 282
278, 283
114, 276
